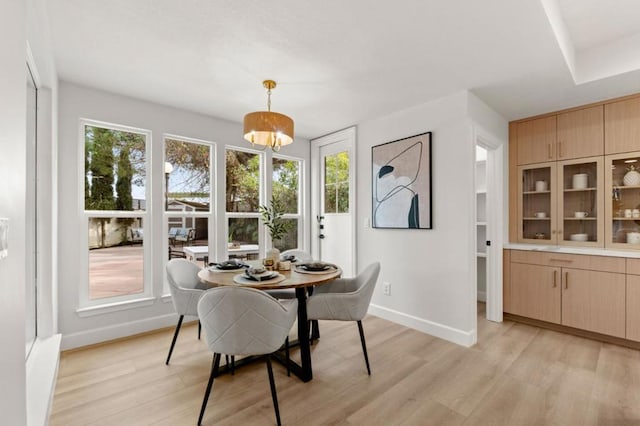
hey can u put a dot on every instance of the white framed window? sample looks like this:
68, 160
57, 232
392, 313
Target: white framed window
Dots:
189, 198
115, 211
244, 193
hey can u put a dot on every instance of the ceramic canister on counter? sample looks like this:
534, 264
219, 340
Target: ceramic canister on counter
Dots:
580, 181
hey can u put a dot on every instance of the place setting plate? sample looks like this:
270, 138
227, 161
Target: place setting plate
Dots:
227, 266
314, 268
258, 276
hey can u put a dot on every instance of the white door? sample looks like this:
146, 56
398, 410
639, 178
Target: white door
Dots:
333, 230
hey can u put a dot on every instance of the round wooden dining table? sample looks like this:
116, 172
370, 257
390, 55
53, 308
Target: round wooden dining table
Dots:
301, 282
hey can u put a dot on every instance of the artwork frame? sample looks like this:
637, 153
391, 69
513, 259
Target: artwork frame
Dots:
401, 186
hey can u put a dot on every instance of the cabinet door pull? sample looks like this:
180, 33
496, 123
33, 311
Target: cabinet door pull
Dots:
555, 273
560, 260
560, 149
566, 280
549, 150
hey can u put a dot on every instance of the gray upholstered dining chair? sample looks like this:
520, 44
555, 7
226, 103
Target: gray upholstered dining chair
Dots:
244, 321
186, 289
345, 299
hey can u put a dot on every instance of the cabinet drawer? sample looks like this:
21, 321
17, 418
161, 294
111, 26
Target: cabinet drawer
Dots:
575, 261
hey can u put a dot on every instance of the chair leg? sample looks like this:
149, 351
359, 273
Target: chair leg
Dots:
214, 370
274, 396
175, 337
315, 329
364, 346
233, 365
199, 329
286, 355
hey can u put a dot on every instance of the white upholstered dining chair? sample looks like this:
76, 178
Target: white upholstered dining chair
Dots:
345, 299
244, 321
186, 289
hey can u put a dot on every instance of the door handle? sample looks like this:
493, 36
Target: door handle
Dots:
566, 280
555, 274
549, 150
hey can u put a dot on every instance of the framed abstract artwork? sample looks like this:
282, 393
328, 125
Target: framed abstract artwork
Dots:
401, 183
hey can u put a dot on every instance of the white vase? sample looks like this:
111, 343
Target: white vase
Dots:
274, 254
632, 177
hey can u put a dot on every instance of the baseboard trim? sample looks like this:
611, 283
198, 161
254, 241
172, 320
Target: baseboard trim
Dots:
117, 331
460, 337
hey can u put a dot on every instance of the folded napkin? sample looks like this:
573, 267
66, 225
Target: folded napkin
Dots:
259, 274
317, 266
229, 264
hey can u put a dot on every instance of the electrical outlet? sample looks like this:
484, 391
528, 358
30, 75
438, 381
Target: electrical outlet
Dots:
386, 288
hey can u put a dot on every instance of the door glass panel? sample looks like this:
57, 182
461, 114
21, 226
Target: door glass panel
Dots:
536, 203
580, 201
336, 183
625, 178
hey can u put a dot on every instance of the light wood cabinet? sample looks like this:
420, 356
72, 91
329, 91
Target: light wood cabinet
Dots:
536, 140
535, 292
633, 307
562, 202
622, 228
537, 203
581, 133
622, 126
580, 291
594, 301
581, 202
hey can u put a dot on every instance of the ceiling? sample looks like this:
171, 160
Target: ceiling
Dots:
338, 63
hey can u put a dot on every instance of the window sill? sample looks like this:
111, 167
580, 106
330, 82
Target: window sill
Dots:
114, 307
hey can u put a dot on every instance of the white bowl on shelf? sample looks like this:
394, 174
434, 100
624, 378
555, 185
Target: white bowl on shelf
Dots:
579, 237
633, 238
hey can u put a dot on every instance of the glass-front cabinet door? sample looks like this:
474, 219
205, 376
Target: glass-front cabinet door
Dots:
623, 200
537, 203
581, 202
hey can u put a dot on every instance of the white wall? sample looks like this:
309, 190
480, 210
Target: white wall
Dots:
12, 204
81, 102
431, 271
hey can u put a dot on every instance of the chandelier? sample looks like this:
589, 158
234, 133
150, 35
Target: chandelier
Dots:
267, 128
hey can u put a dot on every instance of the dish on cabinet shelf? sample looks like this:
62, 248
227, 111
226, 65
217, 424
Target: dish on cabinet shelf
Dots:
579, 237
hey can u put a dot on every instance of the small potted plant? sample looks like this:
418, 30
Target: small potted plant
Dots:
278, 227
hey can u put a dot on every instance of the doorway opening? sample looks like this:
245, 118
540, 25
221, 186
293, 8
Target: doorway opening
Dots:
489, 187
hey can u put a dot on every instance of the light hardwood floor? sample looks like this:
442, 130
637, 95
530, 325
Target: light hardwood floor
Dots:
516, 375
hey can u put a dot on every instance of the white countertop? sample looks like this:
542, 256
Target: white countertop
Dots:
592, 251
